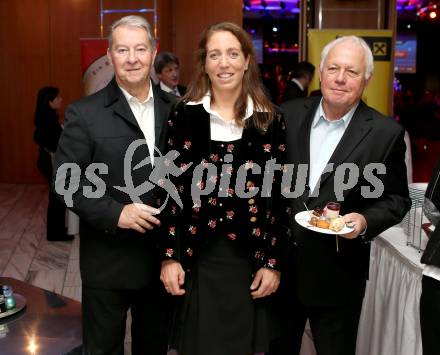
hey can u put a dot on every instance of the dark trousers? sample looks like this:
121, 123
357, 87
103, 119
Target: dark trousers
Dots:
430, 315
104, 314
56, 210
334, 330
56, 218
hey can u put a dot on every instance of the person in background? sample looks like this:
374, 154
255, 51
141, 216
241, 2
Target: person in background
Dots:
268, 80
299, 81
221, 253
47, 134
167, 70
430, 298
326, 275
119, 262
279, 73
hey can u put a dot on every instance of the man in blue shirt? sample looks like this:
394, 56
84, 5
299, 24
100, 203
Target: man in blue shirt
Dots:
355, 156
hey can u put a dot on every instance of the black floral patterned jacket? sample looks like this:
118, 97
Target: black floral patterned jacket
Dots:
253, 219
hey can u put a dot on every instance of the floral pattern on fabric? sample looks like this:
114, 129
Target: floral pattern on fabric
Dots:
222, 214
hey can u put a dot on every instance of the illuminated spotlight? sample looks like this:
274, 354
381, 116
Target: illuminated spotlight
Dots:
429, 12
32, 346
275, 29
408, 26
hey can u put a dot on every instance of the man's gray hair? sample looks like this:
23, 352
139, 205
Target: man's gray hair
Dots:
356, 40
132, 21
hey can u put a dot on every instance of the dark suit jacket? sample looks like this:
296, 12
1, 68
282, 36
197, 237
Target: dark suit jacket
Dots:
323, 275
431, 255
256, 221
293, 91
98, 129
181, 88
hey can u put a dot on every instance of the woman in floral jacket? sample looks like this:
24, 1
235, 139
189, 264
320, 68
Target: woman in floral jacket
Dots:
221, 250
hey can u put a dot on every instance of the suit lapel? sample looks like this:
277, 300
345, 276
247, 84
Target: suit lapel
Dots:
117, 101
251, 140
161, 112
310, 108
200, 128
356, 131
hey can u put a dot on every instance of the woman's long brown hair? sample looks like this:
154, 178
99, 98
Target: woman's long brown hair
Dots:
251, 85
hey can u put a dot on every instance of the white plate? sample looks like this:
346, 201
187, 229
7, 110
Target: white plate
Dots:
303, 218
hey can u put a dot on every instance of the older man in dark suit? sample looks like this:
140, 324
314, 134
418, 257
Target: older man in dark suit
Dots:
116, 129
338, 136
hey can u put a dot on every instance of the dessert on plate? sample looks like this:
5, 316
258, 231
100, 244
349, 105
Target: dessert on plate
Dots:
328, 217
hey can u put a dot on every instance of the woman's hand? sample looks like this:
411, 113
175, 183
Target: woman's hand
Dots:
172, 277
266, 282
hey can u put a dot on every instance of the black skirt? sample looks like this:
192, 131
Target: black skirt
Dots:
217, 315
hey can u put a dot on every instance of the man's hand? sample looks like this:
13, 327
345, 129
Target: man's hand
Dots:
139, 217
359, 223
266, 282
172, 277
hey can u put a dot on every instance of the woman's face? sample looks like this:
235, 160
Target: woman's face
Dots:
225, 62
56, 103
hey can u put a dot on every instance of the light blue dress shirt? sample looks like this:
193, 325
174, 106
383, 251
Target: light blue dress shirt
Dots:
324, 138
